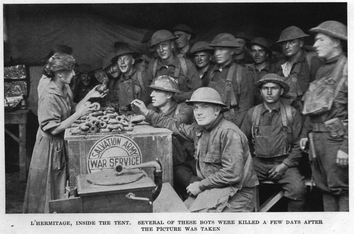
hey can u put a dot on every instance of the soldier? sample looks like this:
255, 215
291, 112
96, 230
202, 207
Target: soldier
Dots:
298, 66
274, 130
226, 178
129, 85
326, 125
184, 34
232, 81
184, 171
242, 55
169, 64
202, 54
85, 82
260, 51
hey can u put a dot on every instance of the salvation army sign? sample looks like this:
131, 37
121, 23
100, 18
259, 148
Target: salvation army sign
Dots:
113, 150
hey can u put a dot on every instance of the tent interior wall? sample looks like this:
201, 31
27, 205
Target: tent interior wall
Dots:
31, 30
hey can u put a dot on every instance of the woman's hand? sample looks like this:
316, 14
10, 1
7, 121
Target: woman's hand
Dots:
141, 105
94, 93
86, 109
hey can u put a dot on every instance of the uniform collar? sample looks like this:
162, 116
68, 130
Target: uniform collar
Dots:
211, 126
174, 62
125, 78
275, 109
334, 59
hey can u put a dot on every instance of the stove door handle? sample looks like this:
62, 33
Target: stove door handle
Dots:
133, 197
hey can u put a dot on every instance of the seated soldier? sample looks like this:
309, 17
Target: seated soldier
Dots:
163, 89
226, 178
274, 130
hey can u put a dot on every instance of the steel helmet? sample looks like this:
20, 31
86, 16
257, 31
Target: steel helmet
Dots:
224, 40
291, 33
184, 28
206, 95
201, 46
272, 78
242, 35
123, 50
165, 83
261, 42
332, 28
161, 36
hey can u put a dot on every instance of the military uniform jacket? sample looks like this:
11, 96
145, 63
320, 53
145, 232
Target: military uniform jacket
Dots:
221, 152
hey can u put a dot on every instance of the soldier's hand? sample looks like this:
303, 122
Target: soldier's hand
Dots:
141, 105
342, 158
193, 189
303, 143
278, 171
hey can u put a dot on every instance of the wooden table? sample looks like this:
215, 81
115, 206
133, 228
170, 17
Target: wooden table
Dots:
19, 117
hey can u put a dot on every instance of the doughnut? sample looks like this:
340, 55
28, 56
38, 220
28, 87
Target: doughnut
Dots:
74, 125
103, 125
94, 121
112, 126
112, 121
75, 131
96, 106
110, 110
105, 118
94, 128
84, 127
124, 122
112, 115
84, 117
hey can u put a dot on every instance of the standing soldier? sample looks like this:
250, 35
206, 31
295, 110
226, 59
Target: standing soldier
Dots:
260, 51
298, 67
242, 55
232, 81
274, 130
129, 85
226, 178
202, 54
184, 34
326, 125
169, 64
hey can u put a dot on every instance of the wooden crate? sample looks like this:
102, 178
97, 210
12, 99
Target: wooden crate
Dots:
154, 143
113, 199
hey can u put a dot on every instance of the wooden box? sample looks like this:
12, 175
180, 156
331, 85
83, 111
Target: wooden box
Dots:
112, 199
154, 143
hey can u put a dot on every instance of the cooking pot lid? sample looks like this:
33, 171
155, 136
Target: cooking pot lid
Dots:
110, 177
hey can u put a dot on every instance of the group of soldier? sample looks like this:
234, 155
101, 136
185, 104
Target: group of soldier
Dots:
239, 114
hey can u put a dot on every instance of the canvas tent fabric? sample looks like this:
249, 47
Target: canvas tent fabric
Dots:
31, 30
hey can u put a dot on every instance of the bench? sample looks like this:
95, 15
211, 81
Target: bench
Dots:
275, 197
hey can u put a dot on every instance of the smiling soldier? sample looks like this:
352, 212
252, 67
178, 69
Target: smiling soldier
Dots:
129, 85
167, 63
